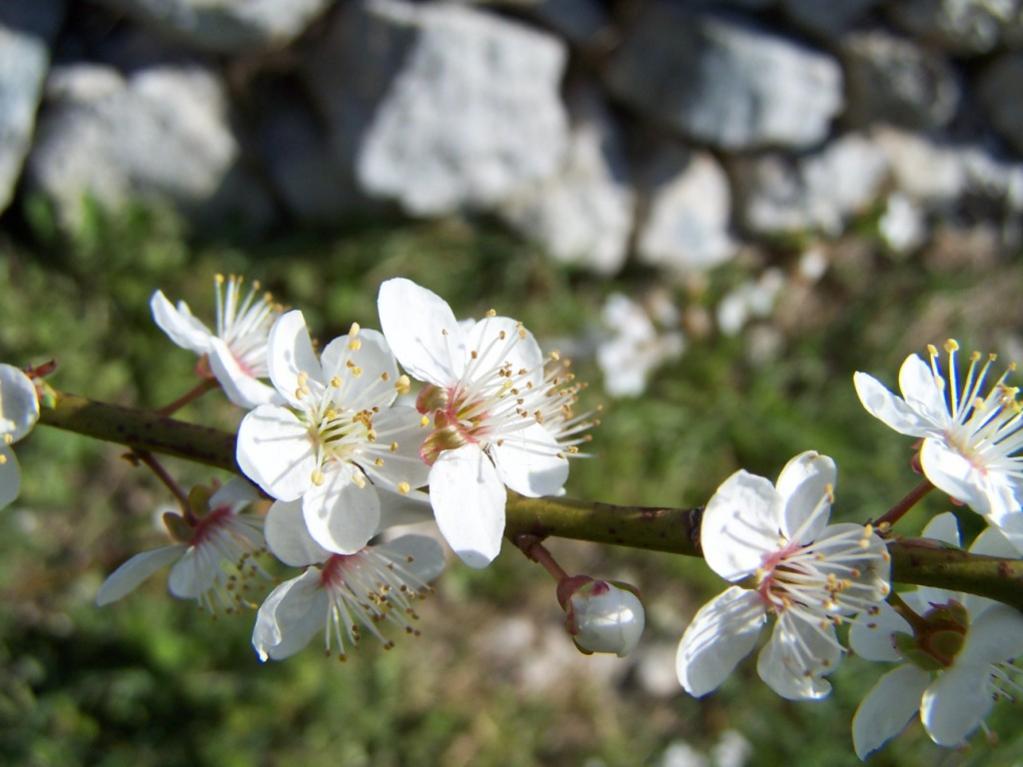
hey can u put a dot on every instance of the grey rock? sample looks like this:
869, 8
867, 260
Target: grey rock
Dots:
582, 22
829, 19
158, 136
688, 211
962, 26
582, 215
314, 187
27, 27
725, 82
1000, 88
440, 107
820, 191
893, 80
225, 26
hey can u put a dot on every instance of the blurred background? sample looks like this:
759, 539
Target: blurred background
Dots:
719, 209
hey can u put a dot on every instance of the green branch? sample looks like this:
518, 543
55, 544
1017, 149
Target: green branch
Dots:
654, 528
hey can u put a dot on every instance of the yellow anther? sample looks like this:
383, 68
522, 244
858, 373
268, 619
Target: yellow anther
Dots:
218, 278
491, 312
424, 421
932, 350
317, 477
502, 335
8, 439
951, 345
393, 447
354, 344
975, 357
353, 331
868, 530
336, 382
3, 459
359, 481
555, 355
378, 462
404, 488
403, 385
356, 371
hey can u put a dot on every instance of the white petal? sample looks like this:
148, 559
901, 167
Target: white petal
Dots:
944, 527
419, 555
19, 403
377, 370
951, 473
194, 574
517, 349
871, 636
288, 537
129, 575
992, 542
889, 408
741, 525
805, 480
179, 324
240, 386
468, 500
721, 634
403, 508
290, 616
10, 476
275, 452
530, 462
993, 637
922, 392
236, 493
342, 516
289, 353
797, 656
398, 427
888, 708
422, 332
956, 703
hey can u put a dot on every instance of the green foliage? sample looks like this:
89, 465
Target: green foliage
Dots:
150, 681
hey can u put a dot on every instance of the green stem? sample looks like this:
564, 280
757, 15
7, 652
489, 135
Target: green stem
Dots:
645, 527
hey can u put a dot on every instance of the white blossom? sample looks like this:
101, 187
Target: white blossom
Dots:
499, 413
341, 595
214, 561
236, 349
633, 348
603, 617
774, 539
339, 439
960, 656
972, 437
19, 411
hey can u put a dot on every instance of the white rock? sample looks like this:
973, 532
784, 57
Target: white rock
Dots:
926, 170
632, 347
582, 215
159, 136
724, 82
961, 26
688, 212
225, 26
819, 191
902, 225
26, 29
472, 112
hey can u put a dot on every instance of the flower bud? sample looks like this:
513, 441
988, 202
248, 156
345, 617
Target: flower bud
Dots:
603, 617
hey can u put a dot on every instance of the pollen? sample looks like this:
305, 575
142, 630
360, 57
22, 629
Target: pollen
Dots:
404, 488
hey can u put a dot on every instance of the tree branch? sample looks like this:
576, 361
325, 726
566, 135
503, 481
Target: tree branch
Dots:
654, 528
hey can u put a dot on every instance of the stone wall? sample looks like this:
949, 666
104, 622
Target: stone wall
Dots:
671, 133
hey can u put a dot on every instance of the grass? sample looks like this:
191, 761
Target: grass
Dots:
493, 681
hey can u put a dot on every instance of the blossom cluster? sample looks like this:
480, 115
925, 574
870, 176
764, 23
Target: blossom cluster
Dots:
432, 417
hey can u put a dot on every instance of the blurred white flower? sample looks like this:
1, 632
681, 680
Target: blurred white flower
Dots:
339, 594
499, 413
731, 750
960, 650
214, 559
339, 439
236, 350
902, 225
635, 347
751, 300
972, 438
805, 573
604, 617
19, 411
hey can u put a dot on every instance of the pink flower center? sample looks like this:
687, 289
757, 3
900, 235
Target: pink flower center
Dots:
205, 527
